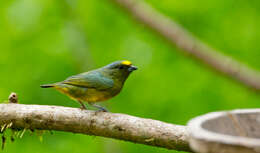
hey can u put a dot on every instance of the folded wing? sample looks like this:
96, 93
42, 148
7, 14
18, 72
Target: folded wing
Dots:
92, 79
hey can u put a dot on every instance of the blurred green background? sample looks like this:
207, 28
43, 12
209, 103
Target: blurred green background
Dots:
44, 41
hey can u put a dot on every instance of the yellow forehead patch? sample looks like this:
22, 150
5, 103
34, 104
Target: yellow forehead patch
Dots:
126, 63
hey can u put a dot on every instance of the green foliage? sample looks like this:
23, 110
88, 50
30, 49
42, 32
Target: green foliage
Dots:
44, 41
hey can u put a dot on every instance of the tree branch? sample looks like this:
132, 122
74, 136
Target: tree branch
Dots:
118, 126
177, 35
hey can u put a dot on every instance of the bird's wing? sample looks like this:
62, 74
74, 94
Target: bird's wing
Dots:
92, 79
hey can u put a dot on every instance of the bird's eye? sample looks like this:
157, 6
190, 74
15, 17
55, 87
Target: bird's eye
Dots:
121, 67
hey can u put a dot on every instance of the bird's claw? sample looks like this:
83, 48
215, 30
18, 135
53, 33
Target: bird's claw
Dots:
83, 108
102, 110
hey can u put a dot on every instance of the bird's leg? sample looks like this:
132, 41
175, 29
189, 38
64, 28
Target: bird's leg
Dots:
99, 107
82, 105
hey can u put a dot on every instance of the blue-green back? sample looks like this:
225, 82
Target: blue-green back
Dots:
92, 79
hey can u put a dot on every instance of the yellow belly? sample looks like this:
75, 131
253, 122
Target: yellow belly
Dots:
86, 94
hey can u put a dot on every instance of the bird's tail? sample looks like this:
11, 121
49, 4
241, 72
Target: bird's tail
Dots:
47, 85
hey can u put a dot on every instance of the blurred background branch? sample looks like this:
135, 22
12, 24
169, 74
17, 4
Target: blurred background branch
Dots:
177, 35
118, 126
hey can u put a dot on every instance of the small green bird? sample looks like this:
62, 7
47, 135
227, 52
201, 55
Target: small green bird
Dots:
96, 85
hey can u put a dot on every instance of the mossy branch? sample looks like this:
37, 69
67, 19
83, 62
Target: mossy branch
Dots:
111, 125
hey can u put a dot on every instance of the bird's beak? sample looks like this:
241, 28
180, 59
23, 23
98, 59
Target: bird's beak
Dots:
132, 68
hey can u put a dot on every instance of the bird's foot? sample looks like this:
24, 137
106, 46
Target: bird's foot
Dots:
82, 106
100, 108
100, 111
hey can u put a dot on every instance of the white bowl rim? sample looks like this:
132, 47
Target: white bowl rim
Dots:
197, 132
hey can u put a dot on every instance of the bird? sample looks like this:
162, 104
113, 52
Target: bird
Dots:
96, 85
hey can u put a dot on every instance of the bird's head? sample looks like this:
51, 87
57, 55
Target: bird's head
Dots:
120, 69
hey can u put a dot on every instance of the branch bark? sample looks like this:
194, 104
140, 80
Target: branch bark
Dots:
177, 35
118, 126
